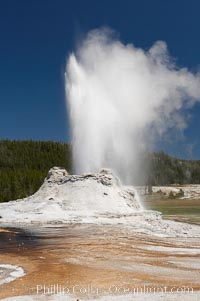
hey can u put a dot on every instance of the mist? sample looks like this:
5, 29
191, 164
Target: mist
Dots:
121, 100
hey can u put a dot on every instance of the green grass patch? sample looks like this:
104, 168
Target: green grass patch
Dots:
184, 210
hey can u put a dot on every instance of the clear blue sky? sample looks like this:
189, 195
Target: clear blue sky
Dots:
37, 35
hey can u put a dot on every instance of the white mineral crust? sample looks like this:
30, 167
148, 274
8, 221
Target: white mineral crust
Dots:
89, 198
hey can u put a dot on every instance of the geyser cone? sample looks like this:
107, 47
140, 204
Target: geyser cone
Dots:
75, 198
97, 198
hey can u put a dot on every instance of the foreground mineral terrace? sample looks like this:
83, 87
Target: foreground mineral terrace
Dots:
97, 262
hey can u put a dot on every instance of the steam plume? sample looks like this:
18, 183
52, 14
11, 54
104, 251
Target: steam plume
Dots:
121, 98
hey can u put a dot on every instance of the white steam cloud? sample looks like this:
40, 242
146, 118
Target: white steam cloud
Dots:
121, 98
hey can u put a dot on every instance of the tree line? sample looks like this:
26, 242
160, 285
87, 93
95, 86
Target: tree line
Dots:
164, 170
25, 164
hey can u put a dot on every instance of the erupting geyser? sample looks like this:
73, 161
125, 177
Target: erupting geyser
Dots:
120, 99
